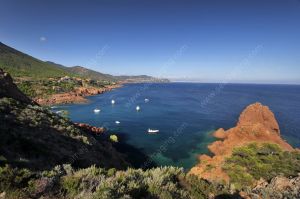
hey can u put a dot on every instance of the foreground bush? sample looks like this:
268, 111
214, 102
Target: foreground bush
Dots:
94, 182
246, 165
250, 163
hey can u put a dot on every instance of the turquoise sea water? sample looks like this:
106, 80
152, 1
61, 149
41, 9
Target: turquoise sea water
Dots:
186, 114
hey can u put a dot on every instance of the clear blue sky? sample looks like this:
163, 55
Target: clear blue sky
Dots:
207, 41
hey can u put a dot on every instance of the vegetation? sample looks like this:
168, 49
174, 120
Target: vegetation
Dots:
113, 138
35, 137
254, 161
19, 64
91, 74
37, 78
94, 182
43, 88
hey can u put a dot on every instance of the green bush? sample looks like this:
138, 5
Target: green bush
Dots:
113, 138
71, 184
13, 180
252, 162
94, 182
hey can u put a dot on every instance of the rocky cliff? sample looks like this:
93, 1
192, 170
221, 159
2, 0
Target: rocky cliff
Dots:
34, 137
9, 89
256, 124
76, 96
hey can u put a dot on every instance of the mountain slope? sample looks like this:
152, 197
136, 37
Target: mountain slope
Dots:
8, 89
140, 78
19, 64
91, 74
36, 138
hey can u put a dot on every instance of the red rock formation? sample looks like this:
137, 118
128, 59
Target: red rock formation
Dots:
76, 96
256, 124
89, 128
62, 98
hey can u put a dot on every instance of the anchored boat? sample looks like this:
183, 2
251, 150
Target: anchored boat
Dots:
96, 110
153, 131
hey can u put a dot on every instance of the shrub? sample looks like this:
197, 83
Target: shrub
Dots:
71, 184
13, 180
113, 138
252, 162
94, 182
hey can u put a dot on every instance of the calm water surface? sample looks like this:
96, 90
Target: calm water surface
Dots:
185, 114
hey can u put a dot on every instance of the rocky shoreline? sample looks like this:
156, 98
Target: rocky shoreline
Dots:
256, 124
77, 96
92, 129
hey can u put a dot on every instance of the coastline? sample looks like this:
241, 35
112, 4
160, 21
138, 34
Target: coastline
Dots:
256, 124
77, 96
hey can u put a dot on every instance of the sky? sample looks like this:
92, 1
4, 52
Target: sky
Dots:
244, 41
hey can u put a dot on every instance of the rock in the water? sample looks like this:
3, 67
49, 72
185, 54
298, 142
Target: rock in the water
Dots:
256, 123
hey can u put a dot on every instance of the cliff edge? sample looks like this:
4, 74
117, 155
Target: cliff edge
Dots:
34, 137
257, 124
9, 89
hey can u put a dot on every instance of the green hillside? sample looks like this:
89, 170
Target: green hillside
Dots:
91, 74
19, 64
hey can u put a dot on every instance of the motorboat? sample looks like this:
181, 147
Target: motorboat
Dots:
96, 110
153, 130
138, 108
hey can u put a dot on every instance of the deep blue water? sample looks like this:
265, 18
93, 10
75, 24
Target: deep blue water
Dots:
185, 114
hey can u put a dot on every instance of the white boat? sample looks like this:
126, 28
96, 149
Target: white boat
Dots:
137, 108
96, 110
58, 112
153, 130
146, 100
117, 122
113, 102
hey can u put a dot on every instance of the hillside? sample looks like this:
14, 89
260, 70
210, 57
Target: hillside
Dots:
34, 137
140, 78
88, 73
49, 82
19, 64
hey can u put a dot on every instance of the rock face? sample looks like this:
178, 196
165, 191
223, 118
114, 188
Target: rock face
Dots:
9, 89
34, 137
256, 124
62, 98
89, 128
77, 96
278, 187
257, 114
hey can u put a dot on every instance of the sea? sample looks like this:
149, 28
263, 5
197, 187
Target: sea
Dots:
186, 115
